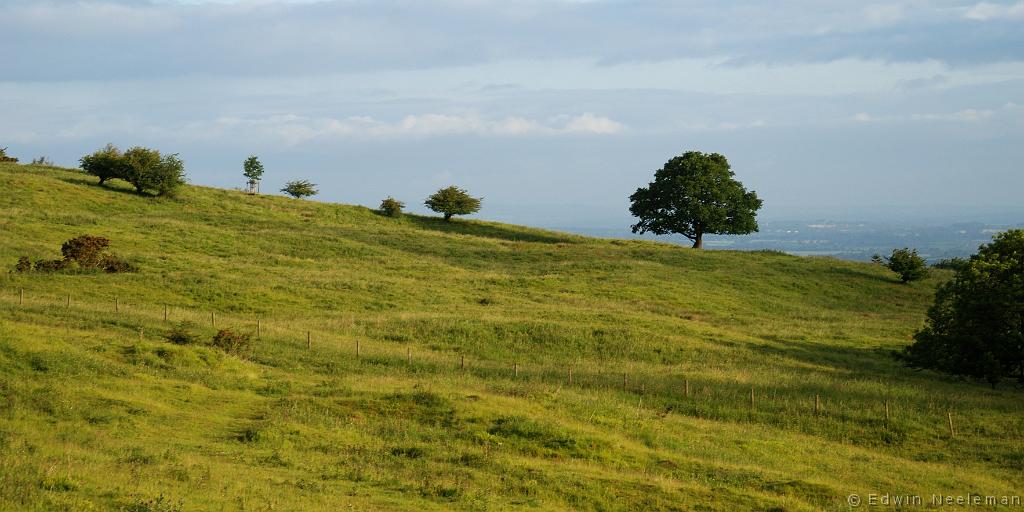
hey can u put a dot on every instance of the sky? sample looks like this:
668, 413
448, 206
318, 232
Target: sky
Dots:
554, 111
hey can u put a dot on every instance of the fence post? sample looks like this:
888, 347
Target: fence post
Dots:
570, 376
817, 404
625, 381
117, 305
751, 397
515, 369
212, 324
21, 297
952, 432
357, 349
69, 300
408, 355
887, 411
462, 362
165, 312
258, 330
309, 341
686, 388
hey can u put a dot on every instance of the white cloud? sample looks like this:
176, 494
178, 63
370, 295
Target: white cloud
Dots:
969, 115
985, 11
293, 129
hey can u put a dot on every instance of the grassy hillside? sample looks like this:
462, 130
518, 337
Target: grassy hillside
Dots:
98, 411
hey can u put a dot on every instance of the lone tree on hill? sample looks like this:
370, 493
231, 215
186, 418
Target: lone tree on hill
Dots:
300, 188
976, 327
693, 195
453, 201
904, 262
253, 169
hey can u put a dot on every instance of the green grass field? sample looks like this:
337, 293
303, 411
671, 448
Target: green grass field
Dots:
99, 412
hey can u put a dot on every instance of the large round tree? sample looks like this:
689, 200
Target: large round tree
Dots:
693, 195
976, 327
453, 201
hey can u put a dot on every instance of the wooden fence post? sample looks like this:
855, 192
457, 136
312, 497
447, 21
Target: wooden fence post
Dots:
117, 305
165, 312
751, 397
515, 369
462, 362
570, 376
625, 381
21, 297
69, 301
408, 355
258, 328
309, 341
212, 323
357, 349
686, 388
817, 404
952, 432
887, 411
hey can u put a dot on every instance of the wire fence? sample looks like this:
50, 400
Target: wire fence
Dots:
664, 389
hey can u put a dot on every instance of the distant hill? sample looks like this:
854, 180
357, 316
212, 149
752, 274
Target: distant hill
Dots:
417, 364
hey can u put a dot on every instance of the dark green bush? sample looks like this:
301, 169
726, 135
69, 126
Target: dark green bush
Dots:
85, 252
391, 207
182, 334
24, 265
231, 342
300, 188
146, 169
105, 163
906, 263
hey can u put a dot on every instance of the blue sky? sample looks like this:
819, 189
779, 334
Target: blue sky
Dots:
553, 110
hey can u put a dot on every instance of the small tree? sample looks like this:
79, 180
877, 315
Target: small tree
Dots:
300, 188
5, 158
105, 163
976, 326
904, 262
147, 170
693, 195
453, 201
391, 207
253, 170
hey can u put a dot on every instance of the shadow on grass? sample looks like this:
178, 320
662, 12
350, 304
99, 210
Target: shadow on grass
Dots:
487, 230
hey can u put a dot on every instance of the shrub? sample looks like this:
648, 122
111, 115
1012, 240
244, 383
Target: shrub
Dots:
105, 163
975, 327
182, 334
391, 207
82, 252
42, 161
147, 170
906, 263
50, 265
231, 342
24, 265
300, 188
5, 158
87, 250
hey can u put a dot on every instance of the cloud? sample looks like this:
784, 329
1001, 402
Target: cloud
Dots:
293, 129
985, 11
110, 39
968, 115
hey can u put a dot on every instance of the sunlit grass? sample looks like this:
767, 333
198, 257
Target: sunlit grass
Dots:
98, 411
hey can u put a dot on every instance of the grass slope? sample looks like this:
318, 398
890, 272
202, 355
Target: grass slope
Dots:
99, 412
